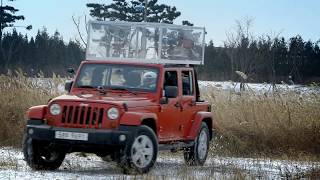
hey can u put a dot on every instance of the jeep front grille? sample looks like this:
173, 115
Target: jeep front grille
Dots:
82, 115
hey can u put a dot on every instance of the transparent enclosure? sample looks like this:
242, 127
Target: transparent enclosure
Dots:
145, 42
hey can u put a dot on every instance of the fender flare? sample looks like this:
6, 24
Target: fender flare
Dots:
199, 117
135, 118
37, 112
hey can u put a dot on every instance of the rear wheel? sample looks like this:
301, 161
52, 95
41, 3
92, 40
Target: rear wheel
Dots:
141, 154
39, 156
197, 154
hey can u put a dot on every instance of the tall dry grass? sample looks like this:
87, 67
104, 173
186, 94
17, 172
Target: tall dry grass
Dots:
280, 123
17, 94
285, 123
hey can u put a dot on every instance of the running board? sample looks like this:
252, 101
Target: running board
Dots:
175, 146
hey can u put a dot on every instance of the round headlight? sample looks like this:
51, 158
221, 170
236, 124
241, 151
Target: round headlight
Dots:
113, 113
55, 109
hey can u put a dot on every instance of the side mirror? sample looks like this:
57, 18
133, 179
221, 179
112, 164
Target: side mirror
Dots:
68, 86
164, 100
71, 71
171, 91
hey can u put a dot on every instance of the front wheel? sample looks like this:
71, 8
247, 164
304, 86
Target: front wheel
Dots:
141, 154
197, 154
39, 156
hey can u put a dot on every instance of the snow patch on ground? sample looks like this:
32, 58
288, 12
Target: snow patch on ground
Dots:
75, 166
257, 87
58, 86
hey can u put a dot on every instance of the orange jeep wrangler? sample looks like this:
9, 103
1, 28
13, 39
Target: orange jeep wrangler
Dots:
126, 101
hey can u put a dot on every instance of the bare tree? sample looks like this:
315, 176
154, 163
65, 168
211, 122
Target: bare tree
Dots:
249, 55
77, 23
238, 44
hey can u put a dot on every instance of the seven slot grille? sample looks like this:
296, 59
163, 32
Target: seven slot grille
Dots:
82, 115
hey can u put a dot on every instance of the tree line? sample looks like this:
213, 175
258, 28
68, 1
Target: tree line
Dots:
243, 57
261, 60
42, 53
265, 59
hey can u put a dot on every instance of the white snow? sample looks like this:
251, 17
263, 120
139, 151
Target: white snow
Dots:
75, 166
257, 87
57, 86
12, 165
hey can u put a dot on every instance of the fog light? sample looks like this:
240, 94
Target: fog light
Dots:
122, 137
31, 131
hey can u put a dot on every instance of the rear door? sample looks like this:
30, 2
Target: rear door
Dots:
188, 101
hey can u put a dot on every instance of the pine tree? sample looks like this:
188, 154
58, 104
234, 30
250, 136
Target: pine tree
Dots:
123, 10
8, 17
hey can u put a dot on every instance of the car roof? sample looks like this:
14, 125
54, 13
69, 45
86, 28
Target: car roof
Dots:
170, 66
119, 62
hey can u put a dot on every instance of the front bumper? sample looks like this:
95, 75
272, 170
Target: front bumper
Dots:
95, 136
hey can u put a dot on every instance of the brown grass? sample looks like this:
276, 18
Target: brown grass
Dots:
279, 124
17, 94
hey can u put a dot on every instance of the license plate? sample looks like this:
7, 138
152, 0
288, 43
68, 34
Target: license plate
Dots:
71, 135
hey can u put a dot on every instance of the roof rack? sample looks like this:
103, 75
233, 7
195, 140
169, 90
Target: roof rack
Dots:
145, 42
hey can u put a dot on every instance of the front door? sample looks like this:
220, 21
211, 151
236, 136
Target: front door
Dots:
170, 113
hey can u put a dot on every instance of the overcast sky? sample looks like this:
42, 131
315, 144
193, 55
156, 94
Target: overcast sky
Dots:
287, 17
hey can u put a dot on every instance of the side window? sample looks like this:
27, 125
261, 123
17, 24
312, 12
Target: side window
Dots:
187, 83
170, 78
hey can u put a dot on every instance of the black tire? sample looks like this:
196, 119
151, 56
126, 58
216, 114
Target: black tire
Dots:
39, 157
196, 155
129, 162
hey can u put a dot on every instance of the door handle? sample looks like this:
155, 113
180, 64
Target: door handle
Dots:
192, 103
178, 105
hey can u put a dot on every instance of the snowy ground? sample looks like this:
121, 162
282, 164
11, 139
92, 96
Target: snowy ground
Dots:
12, 166
47, 83
258, 87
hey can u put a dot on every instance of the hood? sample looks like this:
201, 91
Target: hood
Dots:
113, 99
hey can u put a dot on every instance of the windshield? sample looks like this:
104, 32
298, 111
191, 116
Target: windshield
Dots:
120, 77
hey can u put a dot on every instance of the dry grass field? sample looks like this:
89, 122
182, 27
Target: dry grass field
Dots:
277, 124
281, 124
255, 131
17, 94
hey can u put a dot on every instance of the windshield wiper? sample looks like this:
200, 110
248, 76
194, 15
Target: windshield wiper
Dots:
101, 89
123, 89
86, 86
